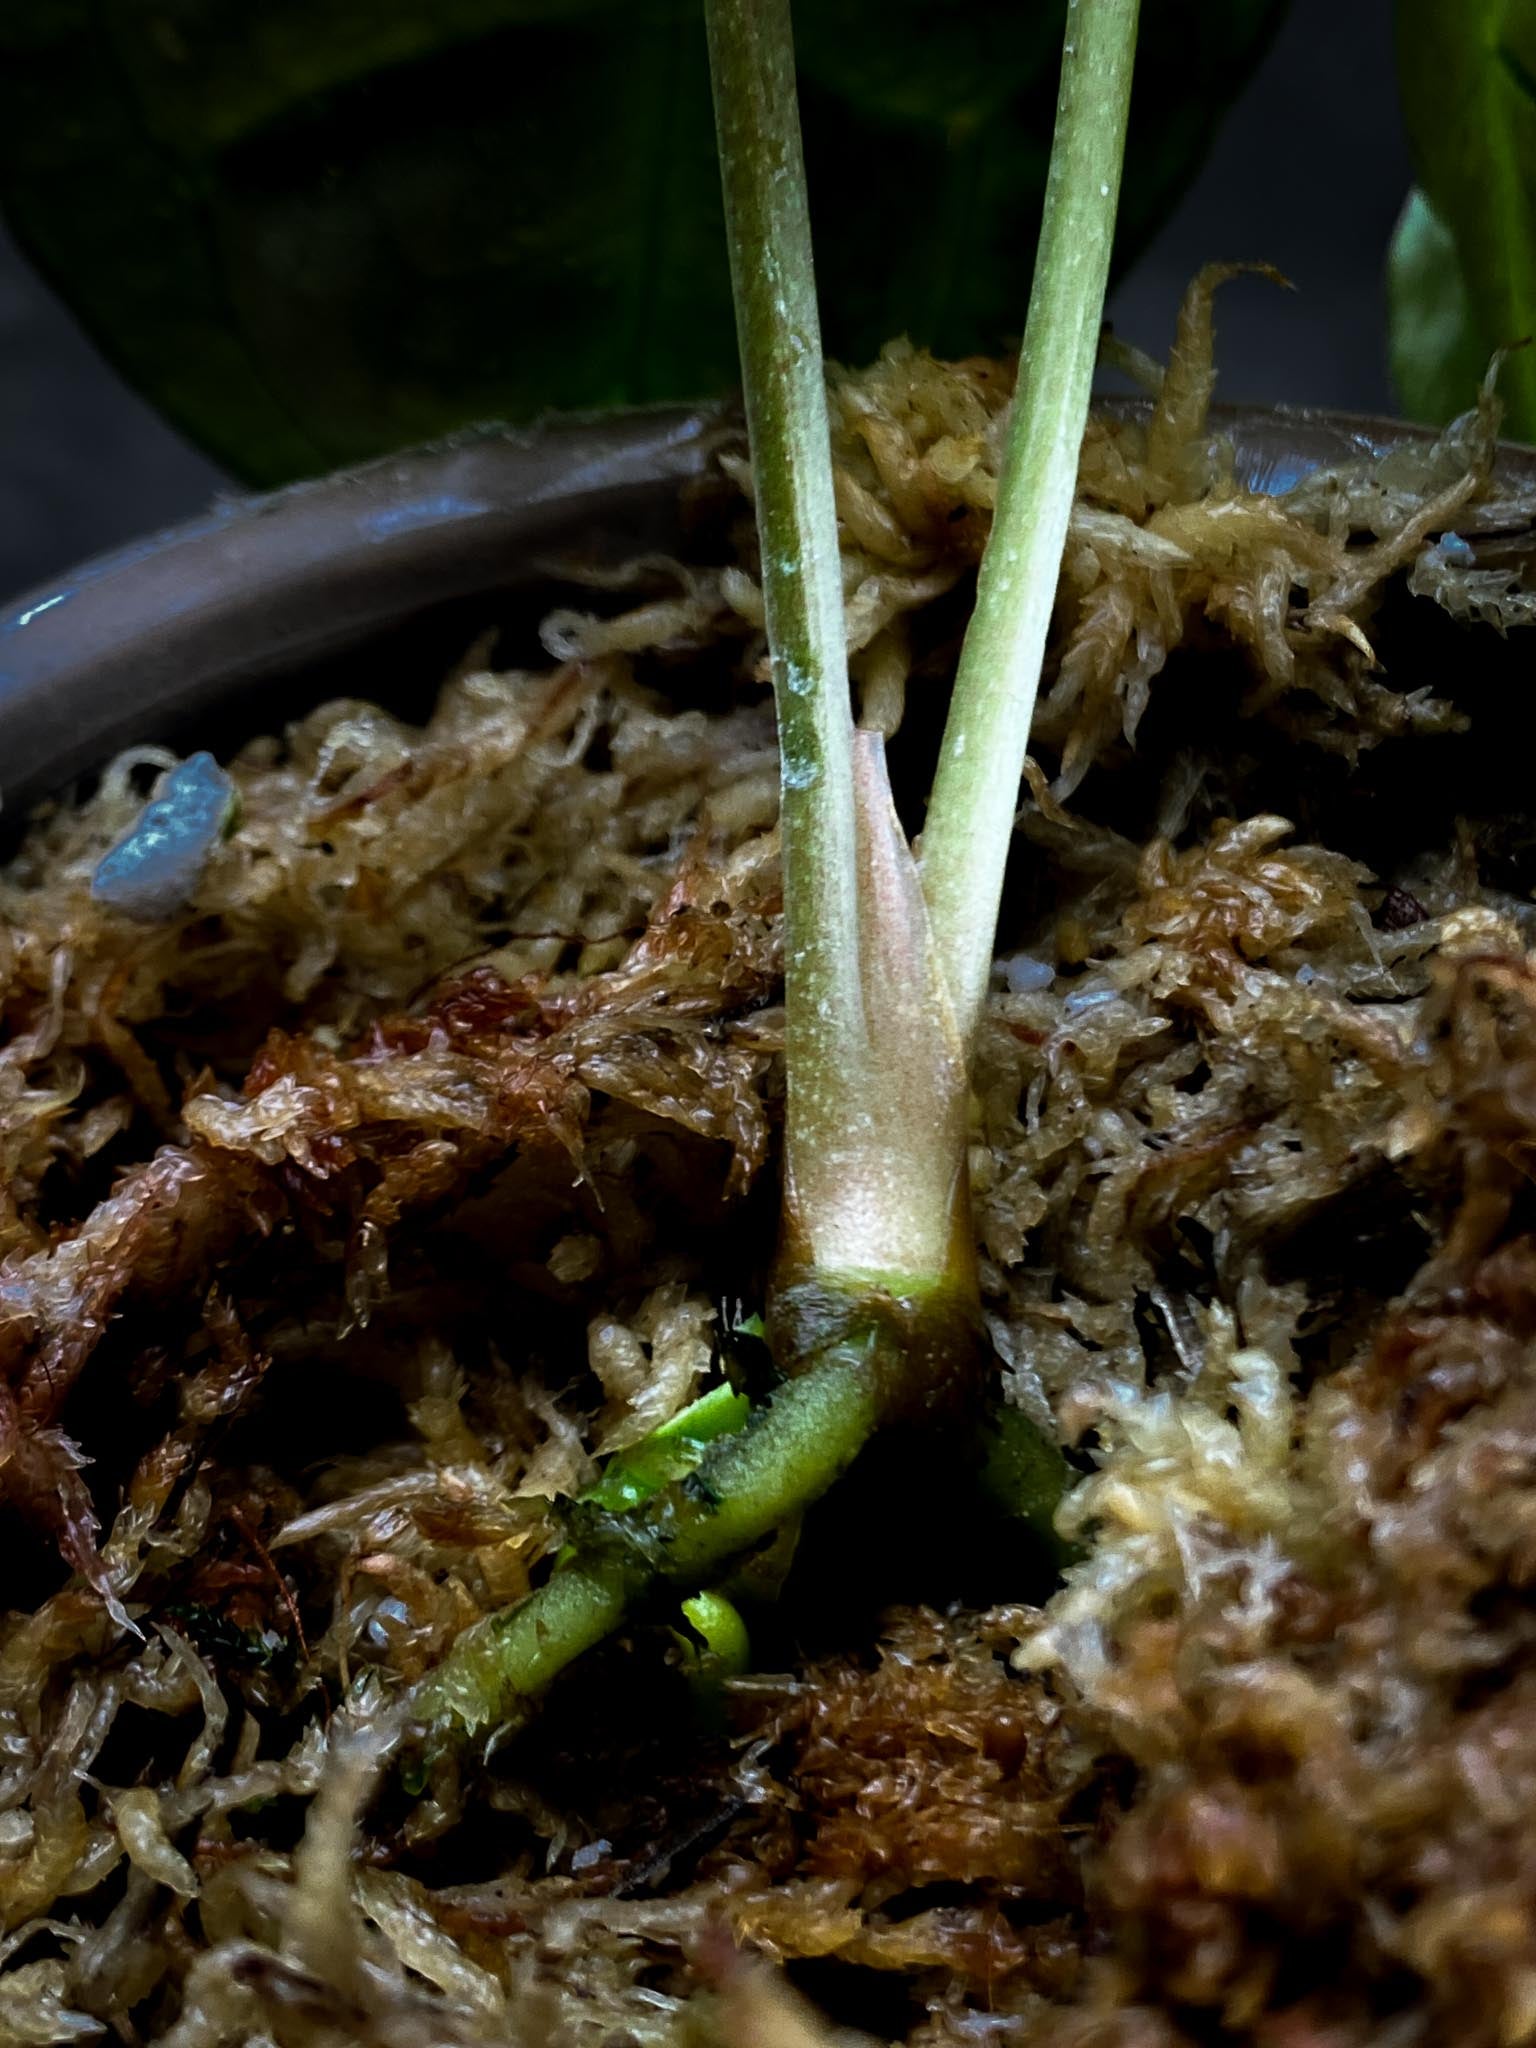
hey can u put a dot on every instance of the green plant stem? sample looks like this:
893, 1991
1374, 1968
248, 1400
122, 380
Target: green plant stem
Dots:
975, 793
751, 54
875, 1079
669, 1452
747, 1485
743, 1489
1023, 1476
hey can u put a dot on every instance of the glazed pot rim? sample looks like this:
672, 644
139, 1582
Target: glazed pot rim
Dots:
157, 635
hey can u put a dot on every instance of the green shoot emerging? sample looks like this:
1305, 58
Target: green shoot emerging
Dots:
976, 791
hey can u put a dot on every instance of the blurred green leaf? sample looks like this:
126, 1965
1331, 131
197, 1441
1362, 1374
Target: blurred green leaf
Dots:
315, 230
1438, 354
1464, 266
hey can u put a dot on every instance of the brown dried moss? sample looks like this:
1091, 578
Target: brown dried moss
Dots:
347, 1217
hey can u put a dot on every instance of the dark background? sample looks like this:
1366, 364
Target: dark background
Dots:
1308, 171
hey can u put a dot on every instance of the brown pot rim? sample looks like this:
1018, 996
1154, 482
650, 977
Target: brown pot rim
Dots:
155, 637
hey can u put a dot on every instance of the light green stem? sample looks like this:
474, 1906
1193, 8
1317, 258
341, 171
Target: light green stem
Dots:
751, 54
976, 791
744, 1487
692, 1531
